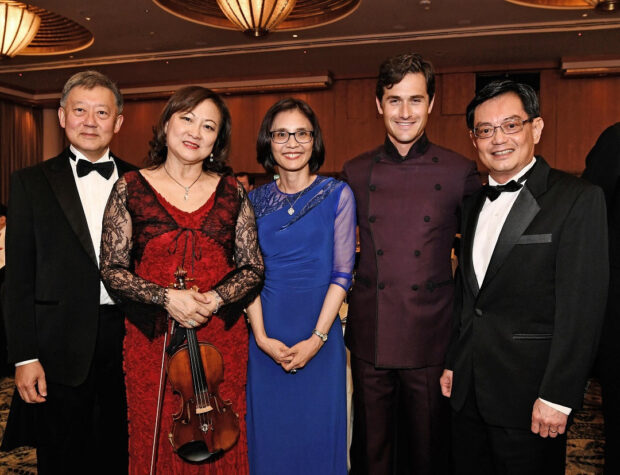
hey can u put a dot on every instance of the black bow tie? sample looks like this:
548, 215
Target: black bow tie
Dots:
105, 169
493, 192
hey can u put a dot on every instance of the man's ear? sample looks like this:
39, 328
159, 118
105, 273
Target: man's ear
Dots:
61, 116
538, 125
379, 107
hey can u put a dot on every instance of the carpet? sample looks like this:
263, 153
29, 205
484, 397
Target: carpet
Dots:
584, 454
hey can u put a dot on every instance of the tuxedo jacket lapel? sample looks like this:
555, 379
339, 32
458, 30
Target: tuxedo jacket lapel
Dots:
523, 211
521, 215
60, 176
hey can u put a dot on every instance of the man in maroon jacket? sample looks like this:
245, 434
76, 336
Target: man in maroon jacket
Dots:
408, 193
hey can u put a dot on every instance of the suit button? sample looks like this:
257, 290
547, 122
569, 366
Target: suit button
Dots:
380, 252
414, 287
427, 219
372, 187
372, 219
435, 159
416, 253
381, 286
478, 312
438, 187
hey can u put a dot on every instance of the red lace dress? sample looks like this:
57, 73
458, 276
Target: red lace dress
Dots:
145, 239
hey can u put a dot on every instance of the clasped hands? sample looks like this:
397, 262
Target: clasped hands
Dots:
293, 358
191, 308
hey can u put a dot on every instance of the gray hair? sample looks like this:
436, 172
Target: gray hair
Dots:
89, 80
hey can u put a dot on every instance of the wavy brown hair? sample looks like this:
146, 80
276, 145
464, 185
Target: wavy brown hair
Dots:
185, 100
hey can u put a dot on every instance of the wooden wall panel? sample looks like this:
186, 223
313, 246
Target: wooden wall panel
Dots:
456, 91
585, 107
575, 112
132, 141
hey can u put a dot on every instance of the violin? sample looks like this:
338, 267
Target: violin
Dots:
205, 425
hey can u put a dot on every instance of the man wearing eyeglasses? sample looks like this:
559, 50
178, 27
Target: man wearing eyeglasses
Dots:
408, 193
531, 293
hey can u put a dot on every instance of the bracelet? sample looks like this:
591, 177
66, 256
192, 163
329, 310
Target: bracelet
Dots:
161, 297
218, 300
322, 336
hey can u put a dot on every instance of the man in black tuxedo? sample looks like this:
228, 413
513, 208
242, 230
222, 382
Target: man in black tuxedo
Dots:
64, 332
532, 285
603, 169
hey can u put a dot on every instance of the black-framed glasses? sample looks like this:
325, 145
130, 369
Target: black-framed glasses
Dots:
510, 126
282, 136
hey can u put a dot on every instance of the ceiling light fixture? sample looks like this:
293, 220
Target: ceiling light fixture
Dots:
304, 13
256, 17
18, 26
601, 5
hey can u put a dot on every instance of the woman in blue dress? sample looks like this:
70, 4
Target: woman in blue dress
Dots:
296, 389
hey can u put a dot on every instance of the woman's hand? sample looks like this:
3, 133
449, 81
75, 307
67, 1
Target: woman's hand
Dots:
188, 307
303, 352
275, 349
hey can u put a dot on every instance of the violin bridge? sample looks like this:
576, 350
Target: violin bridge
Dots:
203, 410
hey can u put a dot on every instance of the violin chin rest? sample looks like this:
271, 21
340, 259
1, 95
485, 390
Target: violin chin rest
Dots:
196, 452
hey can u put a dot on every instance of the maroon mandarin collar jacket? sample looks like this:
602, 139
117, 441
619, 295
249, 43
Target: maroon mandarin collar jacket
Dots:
408, 212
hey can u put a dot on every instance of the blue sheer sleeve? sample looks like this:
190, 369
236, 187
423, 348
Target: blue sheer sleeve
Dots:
344, 239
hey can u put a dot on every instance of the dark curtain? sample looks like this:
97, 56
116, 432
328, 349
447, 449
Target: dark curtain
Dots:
21, 135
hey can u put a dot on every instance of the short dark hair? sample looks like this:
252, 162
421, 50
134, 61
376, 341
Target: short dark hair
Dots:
3, 210
246, 174
89, 80
526, 93
263, 143
185, 100
394, 69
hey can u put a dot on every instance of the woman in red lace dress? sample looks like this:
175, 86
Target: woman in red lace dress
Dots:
185, 210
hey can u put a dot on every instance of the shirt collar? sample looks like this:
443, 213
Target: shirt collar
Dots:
522, 172
418, 149
75, 155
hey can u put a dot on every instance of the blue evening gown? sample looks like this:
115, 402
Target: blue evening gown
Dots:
297, 422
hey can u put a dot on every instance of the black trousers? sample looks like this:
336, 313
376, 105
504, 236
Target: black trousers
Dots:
482, 449
83, 429
606, 368
401, 422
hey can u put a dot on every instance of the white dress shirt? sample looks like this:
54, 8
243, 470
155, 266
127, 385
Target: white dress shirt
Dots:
94, 191
490, 223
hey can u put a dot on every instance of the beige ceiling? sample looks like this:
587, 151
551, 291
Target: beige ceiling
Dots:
138, 44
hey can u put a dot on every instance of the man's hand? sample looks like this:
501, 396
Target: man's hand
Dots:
446, 382
30, 382
547, 421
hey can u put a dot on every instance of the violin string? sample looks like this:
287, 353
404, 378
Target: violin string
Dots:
196, 377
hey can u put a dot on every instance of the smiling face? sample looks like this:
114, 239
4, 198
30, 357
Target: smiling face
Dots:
505, 155
291, 155
405, 108
190, 135
90, 119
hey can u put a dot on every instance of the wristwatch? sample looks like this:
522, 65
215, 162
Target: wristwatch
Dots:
322, 336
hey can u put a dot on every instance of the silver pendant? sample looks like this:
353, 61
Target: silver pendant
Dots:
291, 210
186, 194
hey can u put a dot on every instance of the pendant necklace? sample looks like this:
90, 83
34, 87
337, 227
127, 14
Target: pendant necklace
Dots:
291, 208
186, 188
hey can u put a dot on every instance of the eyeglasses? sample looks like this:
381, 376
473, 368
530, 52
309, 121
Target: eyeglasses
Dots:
282, 136
510, 126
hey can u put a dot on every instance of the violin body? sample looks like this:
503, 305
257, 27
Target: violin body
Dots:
205, 425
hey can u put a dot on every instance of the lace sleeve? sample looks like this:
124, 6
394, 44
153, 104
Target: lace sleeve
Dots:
240, 286
116, 245
344, 239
